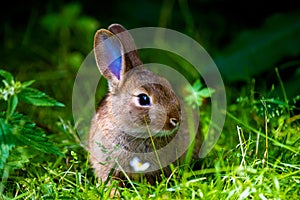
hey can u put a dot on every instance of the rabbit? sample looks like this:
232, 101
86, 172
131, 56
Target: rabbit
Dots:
138, 102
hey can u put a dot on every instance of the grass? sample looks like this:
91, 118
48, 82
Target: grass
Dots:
256, 157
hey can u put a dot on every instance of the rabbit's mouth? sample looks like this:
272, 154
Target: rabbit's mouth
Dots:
170, 127
147, 132
163, 133
145, 144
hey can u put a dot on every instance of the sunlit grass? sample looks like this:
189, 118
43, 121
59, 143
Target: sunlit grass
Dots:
256, 157
237, 168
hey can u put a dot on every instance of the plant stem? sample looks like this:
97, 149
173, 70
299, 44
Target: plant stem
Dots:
125, 174
266, 132
154, 148
275, 142
282, 87
8, 110
240, 132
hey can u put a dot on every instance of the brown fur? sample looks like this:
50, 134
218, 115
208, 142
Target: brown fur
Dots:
120, 126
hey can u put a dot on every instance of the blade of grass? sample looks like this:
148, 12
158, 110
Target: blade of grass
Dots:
154, 148
275, 142
266, 154
129, 180
282, 88
240, 132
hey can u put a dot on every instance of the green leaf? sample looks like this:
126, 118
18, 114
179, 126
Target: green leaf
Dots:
197, 85
206, 92
27, 83
12, 104
20, 156
6, 142
37, 139
8, 76
27, 133
67, 17
37, 98
256, 51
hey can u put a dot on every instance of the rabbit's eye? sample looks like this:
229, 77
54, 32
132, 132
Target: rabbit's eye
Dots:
144, 100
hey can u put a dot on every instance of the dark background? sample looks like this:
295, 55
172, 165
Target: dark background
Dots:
47, 40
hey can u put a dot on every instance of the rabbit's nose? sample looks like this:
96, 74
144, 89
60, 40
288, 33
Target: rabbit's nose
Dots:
174, 121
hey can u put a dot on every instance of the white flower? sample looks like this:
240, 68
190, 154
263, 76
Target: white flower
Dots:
139, 166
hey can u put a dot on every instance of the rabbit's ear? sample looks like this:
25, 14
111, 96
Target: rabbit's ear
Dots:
109, 54
129, 46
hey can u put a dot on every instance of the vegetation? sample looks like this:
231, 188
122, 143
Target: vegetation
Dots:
257, 155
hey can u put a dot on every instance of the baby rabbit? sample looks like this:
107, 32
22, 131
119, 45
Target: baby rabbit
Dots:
141, 113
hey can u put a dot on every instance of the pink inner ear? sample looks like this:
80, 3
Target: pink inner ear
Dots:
114, 56
115, 67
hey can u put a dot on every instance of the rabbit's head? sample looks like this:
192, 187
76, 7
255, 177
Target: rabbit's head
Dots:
140, 101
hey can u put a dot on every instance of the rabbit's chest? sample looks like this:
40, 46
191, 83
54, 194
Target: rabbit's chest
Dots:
143, 145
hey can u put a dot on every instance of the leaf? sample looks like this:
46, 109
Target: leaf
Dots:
36, 139
256, 51
6, 142
13, 102
19, 156
27, 83
27, 133
51, 22
54, 22
197, 85
206, 92
8, 76
37, 98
